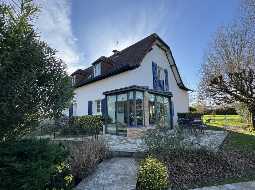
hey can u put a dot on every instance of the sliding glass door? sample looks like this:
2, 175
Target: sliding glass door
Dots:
159, 111
125, 109
121, 114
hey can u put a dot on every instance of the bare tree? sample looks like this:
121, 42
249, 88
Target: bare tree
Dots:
228, 75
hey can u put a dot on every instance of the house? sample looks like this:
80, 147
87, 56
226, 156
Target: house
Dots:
135, 89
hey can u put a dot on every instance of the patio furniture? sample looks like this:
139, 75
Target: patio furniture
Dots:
185, 124
198, 126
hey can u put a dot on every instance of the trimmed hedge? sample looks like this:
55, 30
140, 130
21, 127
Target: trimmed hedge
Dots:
152, 175
189, 115
84, 125
34, 164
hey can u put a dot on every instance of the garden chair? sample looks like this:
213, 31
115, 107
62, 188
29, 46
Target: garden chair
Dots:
198, 126
185, 124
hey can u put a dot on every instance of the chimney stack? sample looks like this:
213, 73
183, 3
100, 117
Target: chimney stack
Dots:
115, 51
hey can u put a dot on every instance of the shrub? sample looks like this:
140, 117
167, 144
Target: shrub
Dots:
152, 175
85, 156
192, 168
163, 140
189, 115
93, 124
84, 125
34, 164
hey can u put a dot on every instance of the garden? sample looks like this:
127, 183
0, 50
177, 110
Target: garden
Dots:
35, 163
35, 90
171, 164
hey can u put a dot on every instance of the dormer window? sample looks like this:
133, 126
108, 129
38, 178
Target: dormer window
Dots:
97, 69
73, 80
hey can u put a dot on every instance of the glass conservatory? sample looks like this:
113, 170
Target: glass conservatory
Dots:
137, 107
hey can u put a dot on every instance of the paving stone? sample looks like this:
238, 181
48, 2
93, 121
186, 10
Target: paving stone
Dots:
113, 174
120, 145
235, 186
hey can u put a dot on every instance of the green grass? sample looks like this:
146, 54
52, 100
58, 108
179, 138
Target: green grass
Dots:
242, 141
239, 140
223, 120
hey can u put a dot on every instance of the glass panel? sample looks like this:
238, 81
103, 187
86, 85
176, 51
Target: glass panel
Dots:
122, 114
111, 101
160, 110
131, 108
167, 112
152, 109
139, 108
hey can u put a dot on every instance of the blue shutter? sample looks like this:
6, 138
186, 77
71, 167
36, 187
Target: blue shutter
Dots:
103, 107
166, 81
154, 75
71, 110
89, 107
172, 107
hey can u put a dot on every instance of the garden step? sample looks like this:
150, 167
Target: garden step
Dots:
131, 154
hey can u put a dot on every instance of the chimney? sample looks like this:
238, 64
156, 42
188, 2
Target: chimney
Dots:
115, 51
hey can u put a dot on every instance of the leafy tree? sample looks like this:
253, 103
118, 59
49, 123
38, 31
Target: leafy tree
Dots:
33, 81
228, 76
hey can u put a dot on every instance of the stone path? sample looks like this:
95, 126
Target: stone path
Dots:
235, 186
113, 174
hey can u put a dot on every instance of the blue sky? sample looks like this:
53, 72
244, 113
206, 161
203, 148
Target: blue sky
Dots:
83, 30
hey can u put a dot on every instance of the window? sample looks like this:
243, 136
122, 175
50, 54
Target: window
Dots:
97, 69
74, 109
98, 106
131, 101
122, 108
73, 80
160, 73
152, 109
139, 108
159, 111
111, 102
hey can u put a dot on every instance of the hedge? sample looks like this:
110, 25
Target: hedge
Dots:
189, 115
34, 164
84, 125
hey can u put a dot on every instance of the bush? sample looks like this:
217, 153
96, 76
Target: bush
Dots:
84, 125
189, 115
189, 169
163, 140
152, 175
34, 164
85, 156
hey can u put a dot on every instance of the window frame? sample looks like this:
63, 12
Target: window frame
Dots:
100, 107
97, 69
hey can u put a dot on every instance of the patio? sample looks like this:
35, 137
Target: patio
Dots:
124, 146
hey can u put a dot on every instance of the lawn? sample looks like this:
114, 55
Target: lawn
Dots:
224, 120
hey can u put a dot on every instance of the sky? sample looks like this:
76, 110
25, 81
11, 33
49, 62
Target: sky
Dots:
83, 30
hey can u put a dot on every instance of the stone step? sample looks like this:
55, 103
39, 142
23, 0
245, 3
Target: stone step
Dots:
131, 154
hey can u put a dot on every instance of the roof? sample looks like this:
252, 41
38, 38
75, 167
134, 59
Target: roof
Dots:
138, 88
127, 59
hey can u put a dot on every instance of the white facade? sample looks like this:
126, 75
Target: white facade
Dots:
141, 76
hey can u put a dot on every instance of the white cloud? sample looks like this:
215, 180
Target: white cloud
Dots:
54, 26
131, 26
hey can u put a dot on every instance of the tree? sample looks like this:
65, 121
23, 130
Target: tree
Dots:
33, 81
228, 76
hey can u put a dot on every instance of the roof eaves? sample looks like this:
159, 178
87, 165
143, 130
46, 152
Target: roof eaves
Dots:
112, 73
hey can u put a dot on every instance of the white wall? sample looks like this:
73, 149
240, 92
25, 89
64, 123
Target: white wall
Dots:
141, 76
180, 97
